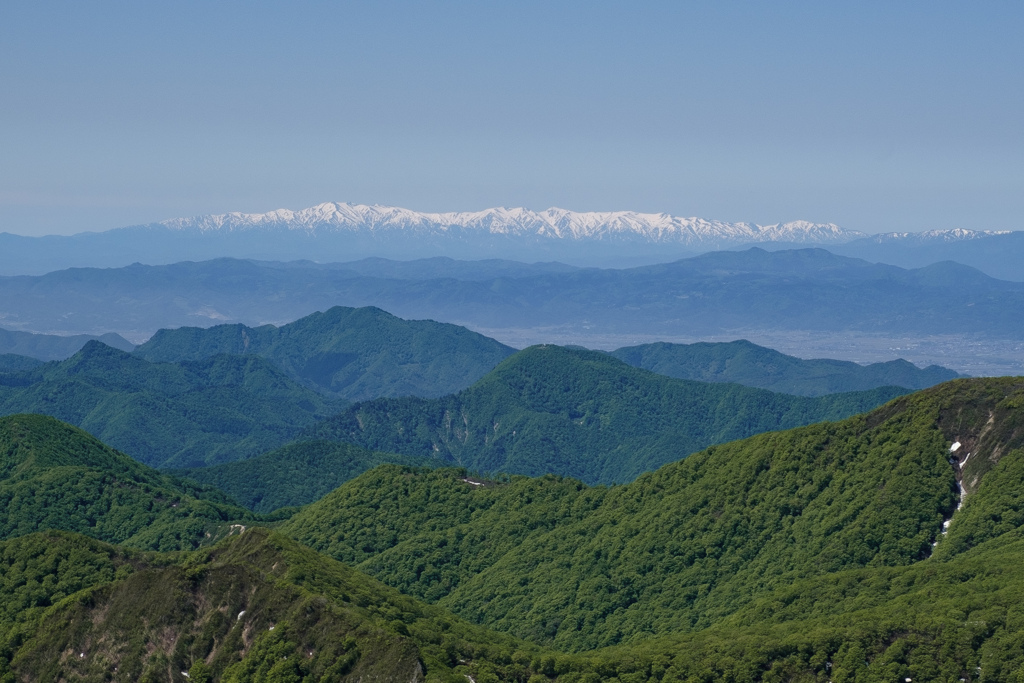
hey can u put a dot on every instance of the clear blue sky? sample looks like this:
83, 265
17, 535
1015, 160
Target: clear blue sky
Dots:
875, 115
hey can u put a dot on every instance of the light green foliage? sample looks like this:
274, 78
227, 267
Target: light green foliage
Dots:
681, 548
351, 353
169, 414
55, 476
579, 413
756, 366
293, 475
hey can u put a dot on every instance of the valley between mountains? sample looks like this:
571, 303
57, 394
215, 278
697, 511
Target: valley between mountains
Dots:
356, 496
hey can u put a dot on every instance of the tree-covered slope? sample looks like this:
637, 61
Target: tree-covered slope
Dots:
256, 607
756, 366
12, 362
295, 474
578, 413
219, 409
55, 476
352, 353
684, 547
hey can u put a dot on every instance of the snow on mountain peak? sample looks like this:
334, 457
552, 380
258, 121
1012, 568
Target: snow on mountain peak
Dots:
552, 223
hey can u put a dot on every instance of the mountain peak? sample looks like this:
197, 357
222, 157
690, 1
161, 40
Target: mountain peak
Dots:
551, 224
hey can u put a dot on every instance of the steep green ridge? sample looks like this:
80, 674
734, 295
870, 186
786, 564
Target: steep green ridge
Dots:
579, 413
756, 366
295, 474
55, 476
169, 414
256, 607
12, 362
352, 353
684, 547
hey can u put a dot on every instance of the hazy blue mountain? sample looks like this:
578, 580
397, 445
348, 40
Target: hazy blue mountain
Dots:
720, 292
333, 231
579, 413
435, 268
756, 366
353, 353
169, 414
999, 254
53, 346
11, 362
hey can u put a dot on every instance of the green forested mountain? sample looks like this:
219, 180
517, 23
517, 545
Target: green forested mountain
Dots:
295, 474
690, 546
814, 554
579, 413
169, 414
12, 362
756, 366
352, 353
55, 476
255, 608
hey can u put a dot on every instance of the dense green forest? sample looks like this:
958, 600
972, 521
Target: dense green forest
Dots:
829, 552
12, 362
756, 366
295, 474
255, 608
681, 548
169, 414
55, 476
349, 353
579, 413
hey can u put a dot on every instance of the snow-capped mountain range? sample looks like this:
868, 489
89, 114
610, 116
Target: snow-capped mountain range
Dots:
556, 224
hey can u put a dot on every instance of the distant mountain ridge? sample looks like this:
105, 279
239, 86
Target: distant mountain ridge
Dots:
756, 366
553, 223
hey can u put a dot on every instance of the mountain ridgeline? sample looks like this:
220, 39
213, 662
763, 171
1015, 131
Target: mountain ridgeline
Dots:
579, 413
717, 534
185, 414
349, 353
834, 551
756, 366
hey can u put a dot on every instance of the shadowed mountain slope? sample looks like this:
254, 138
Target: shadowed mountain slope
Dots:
578, 413
55, 476
352, 353
295, 474
169, 414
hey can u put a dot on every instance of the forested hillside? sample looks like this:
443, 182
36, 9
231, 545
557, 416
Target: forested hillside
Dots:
55, 476
351, 353
169, 414
295, 474
579, 413
756, 366
684, 547
834, 551
257, 607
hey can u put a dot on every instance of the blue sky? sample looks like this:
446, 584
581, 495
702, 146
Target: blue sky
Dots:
877, 116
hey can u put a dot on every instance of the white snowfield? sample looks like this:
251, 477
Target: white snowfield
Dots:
559, 224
